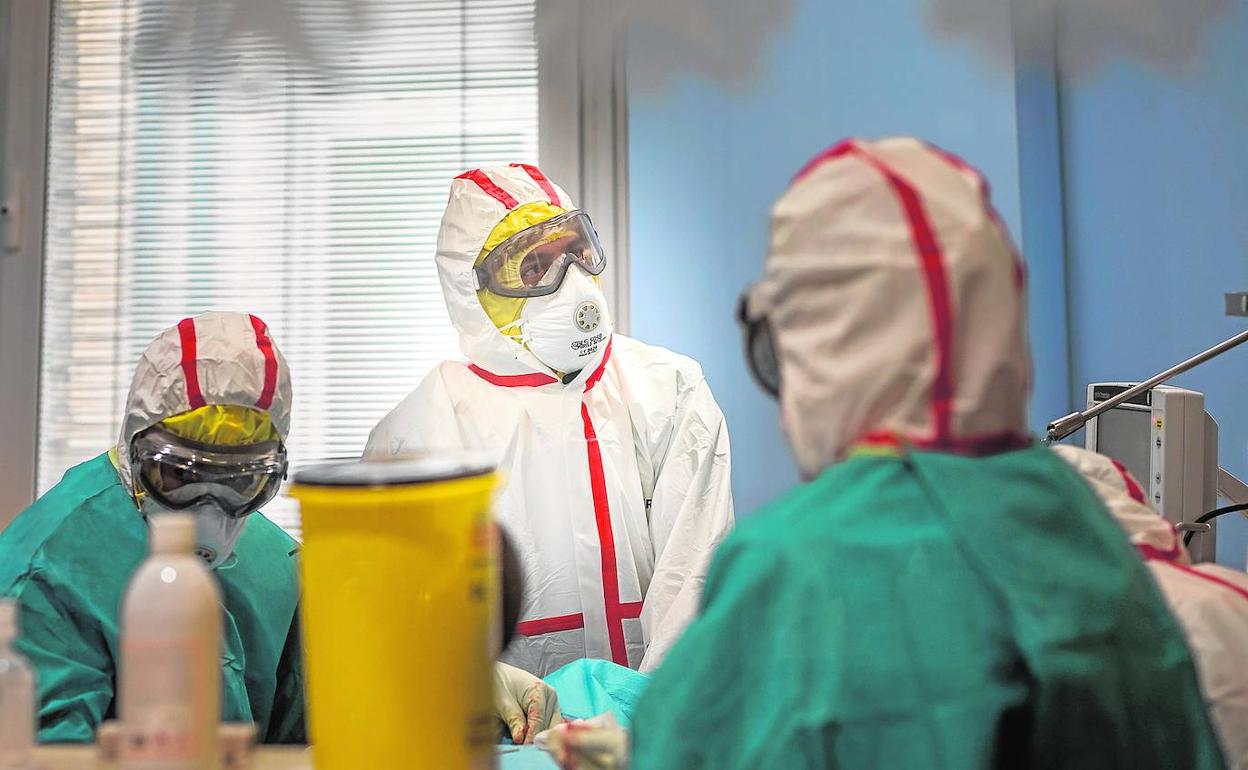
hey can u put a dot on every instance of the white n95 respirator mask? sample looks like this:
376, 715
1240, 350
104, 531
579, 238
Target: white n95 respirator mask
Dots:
568, 329
215, 533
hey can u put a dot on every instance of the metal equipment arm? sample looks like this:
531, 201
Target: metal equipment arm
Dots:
1064, 426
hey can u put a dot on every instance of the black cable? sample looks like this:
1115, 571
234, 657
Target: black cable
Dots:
1215, 513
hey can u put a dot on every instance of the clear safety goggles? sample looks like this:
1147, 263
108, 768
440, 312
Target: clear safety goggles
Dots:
534, 261
179, 473
760, 349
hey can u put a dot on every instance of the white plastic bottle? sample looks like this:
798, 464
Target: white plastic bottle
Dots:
17, 695
170, 677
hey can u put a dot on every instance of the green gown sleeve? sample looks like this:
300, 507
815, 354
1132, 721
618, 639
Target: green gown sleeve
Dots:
70, 655
288, 724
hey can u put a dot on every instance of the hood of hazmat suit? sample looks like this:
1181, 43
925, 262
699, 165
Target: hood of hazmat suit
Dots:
218, 379
617, 472
1209, 601
943, 592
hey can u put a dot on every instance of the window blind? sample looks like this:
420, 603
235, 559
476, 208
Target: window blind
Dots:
288, 159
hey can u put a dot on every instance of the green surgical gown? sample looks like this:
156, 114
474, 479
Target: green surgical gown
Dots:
68, 557
924, 610
588, 688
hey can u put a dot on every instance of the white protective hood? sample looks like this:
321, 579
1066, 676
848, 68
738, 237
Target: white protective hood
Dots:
213, 358
1125, 499
896, 303
478, 201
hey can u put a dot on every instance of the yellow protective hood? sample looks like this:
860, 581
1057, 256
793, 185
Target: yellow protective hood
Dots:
223, 425
505, 311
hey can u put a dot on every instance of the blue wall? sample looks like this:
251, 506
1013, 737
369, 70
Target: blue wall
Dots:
707, 160
1156, 191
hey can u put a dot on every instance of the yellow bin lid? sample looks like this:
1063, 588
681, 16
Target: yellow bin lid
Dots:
418, 475
389, 472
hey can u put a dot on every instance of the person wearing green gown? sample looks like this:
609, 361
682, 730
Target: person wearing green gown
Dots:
203, 432
941, 592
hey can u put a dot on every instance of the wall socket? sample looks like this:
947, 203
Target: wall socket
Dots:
1237, 303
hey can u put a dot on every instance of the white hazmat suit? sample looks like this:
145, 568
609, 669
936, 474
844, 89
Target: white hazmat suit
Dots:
617, 485
1209, 601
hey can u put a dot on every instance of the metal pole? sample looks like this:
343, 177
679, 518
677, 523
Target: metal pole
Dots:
1064, 426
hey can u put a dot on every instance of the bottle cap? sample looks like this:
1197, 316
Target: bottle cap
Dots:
172, 533
10, 619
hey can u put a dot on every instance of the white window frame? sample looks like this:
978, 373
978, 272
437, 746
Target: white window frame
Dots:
25, 46
583, 144
583, 123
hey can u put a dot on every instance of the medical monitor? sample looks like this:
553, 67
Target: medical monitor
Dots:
1169, 443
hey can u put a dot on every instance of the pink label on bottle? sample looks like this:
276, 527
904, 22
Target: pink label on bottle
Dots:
162, 715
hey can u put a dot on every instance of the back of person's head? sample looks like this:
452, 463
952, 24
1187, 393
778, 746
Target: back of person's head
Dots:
895, 301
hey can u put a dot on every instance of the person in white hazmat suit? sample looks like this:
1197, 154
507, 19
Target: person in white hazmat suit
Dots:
1209, 601
615, 453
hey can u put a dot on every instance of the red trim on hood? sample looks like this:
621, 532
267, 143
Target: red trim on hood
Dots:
832, 153
1020, 268
1152, 554
534, 380
982, 445
190, 372
932, 260
488, 187
537, 176
265, 344
881, 438
1133, 486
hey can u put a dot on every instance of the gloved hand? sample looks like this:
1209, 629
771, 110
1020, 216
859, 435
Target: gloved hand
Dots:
587, 744
526, 704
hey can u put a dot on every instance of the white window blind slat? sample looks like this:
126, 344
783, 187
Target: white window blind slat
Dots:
264, 160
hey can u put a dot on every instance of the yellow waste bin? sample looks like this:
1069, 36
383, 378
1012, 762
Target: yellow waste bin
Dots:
399, 591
